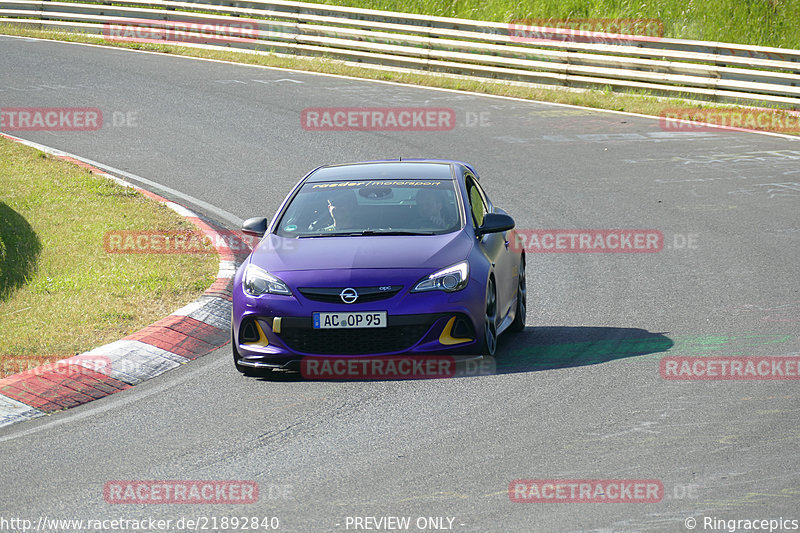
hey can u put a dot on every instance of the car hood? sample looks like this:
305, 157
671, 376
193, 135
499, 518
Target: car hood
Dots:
280, 254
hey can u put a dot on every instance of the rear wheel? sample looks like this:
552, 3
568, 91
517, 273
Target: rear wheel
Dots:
490, 321
522, 304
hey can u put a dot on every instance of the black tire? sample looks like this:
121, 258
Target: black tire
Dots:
489, 342
522, 300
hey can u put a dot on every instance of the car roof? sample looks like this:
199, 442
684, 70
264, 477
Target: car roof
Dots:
440, 169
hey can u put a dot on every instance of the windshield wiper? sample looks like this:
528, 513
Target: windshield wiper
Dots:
365, 233
394, 232
326, 234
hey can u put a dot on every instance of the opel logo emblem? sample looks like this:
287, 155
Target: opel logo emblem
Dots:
348, 295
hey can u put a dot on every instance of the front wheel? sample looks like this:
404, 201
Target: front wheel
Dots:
522, 304
489, 345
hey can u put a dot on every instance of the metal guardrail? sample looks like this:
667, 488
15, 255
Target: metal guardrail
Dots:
475, 49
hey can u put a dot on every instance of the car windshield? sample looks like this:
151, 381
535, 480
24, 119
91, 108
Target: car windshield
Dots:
372, 207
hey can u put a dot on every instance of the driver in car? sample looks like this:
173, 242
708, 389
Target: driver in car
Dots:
342, 208
429, 206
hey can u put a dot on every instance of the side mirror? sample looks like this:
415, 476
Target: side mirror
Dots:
255, 226
495, 223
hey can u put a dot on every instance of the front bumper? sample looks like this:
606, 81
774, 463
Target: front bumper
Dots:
274, 330
275, 342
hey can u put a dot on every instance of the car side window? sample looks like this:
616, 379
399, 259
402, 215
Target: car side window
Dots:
476, 202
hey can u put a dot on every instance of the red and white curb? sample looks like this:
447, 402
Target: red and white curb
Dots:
188, 333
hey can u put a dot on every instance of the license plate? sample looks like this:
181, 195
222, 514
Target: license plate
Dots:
356, 319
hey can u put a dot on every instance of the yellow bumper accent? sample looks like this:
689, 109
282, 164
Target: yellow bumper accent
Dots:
262, 339
447, 338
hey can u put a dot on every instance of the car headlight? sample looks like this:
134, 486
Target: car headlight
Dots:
258, 281
450, 279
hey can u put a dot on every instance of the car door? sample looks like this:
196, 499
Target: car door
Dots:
494, 245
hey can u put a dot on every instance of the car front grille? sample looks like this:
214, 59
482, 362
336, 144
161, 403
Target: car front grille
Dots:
353, 341
365, 294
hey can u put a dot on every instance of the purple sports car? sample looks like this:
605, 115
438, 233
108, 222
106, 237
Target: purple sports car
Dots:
378, 258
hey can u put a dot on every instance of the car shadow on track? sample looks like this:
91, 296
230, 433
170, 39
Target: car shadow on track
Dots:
552, 347
537, 349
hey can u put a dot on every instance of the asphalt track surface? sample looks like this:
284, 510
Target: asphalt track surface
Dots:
570, 400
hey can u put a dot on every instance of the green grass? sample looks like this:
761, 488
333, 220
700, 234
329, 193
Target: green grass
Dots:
757, 22
61, 293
